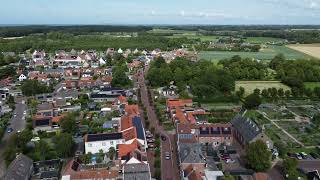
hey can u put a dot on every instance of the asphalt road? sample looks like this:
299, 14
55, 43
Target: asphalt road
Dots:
17, 123
169, 168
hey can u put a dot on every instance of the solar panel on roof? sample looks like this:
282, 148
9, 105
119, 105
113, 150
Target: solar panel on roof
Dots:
103, 137
139, 127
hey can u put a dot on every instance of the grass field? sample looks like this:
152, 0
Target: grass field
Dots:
195, 36
250, 86
309, 49
311, 85
264, 54
263, 40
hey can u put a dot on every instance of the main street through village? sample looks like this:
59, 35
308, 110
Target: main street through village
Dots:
17, 123
169, 168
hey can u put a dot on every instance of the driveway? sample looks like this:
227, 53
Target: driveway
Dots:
169, 168
17, 123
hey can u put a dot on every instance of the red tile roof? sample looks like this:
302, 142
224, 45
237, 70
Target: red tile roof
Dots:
132, 110
125, 149
126, 122
57, 119
130, 133
178, 102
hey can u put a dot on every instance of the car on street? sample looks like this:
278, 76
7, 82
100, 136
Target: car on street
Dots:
15, 115
151, 145
9, 130
163, 138
149, 136
25, 112
167, 155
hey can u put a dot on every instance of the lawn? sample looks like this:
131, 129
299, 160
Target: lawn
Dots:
263, 40
264, 54
311, 85
250, 86
191, 35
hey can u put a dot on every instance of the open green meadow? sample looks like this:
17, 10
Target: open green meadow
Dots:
250, 86
264, 54
263, 40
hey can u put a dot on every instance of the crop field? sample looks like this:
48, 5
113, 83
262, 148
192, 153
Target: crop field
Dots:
264, 54
250, 86
309, 49
311, 85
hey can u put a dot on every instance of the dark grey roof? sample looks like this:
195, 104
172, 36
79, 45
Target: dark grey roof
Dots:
103, 137
105, 96
136, 171
139, 127
45, 106
20, 168
246, 127
191, 153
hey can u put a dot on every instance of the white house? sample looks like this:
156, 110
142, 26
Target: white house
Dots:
120, 51
102, 62
38, 55
22, 77
96, 142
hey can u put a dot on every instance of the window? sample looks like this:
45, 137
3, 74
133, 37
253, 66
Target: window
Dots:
89, 145
111, 142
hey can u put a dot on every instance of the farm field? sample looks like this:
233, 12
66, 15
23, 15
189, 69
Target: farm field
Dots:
309, 49
311, 85
264, 54
250, 86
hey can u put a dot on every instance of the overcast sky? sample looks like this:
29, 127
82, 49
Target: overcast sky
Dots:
160, 12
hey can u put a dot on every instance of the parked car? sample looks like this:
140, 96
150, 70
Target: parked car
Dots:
167, 154
149, 136
9, 130
298, 156
163, 138
35, 139
304, 155
150, 140
225, 156
230, 161
151, 145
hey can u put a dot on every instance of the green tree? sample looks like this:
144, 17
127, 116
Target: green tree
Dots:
228, 177
290, 168
63, 144
280, 92
258, 156
265, 93
68, 123
252, 101
240, 92
111, 152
